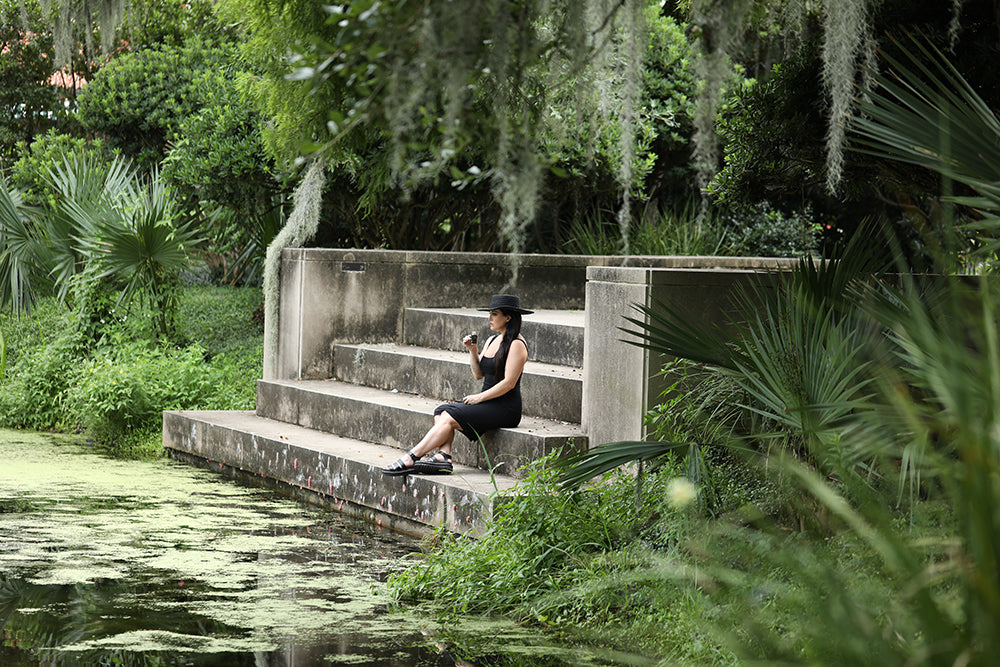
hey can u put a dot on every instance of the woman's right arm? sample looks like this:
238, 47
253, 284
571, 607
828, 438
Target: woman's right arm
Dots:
477, 372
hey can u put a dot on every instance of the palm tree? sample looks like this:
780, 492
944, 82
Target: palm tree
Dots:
86, 188
106, 223
19, 251
138, 241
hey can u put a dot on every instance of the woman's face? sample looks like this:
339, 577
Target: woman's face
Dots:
498, 321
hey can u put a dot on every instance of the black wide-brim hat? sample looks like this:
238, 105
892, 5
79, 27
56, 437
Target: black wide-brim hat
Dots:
507, 302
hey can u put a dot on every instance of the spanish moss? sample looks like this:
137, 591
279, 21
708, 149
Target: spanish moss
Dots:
298, 230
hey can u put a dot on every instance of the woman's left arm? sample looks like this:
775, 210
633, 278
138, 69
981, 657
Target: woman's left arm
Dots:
517, 356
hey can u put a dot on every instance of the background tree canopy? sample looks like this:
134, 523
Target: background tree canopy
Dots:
540, 125
498, 127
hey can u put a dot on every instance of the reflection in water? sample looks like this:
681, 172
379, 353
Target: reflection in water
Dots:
106, 562
158, 563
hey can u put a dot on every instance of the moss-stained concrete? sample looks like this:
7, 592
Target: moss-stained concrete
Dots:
341, 473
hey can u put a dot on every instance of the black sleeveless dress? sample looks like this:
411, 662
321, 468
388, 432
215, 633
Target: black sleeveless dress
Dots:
500, 412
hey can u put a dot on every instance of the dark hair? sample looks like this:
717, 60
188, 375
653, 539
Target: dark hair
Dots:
510, 334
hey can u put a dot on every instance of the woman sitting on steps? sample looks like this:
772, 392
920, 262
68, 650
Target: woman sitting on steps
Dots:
498, 405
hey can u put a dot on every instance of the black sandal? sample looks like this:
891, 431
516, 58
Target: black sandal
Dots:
433, 465
400, 467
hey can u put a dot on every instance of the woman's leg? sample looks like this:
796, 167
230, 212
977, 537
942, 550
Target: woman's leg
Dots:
440, 436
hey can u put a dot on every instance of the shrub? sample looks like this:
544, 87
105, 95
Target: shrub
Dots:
225, 320
105, 378
139, 100
220, 171
218, 158
49, 320
677, 230
30, 172
587, 564
127, 387
767, 232
538, 536
34, 395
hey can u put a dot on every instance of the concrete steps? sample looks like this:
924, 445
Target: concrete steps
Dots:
553, 336
400, 420
337, 471
332, 437
549, 390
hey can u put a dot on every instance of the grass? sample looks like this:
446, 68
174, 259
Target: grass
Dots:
639, 576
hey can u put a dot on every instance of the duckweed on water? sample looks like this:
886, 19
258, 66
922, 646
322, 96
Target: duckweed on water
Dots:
108, 555
106, 561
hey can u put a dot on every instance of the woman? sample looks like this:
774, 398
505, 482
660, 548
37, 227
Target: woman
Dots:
498, 405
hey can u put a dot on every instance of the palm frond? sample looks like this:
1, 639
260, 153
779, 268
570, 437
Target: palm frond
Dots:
666, 331
19, 250
926, 114
583, 466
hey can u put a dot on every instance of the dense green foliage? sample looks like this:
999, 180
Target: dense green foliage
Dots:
103, 225
67, 370
868, 403
773, 136
425, 158
842, 448
744, 232
218, 158
26, 99
31, 172
139, 100
583, 565
222, 175
170, 23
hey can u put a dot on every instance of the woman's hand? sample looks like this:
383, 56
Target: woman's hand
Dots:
467, 342
472, 399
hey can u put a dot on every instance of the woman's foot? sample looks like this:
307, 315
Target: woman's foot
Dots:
439, 463
406, 464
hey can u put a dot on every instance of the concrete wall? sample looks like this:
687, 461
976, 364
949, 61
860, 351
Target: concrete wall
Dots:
620, 382
333, 296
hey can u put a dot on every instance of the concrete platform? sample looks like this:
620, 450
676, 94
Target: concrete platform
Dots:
400, 420
342, 473
548, 390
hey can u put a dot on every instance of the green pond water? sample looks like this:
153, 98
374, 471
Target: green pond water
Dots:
109, 562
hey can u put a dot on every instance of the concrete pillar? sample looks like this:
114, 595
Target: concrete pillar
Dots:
620, 382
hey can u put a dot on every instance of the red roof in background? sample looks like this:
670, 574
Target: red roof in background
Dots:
63, 79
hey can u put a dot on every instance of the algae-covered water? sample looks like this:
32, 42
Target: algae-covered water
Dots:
110, 562
105, 561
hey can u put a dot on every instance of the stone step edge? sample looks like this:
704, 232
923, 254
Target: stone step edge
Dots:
337, 470
566, 318
532, 368
422, 405
552, 336
549, 391
400, 420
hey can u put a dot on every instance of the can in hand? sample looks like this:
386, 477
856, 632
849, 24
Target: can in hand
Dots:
473, 338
